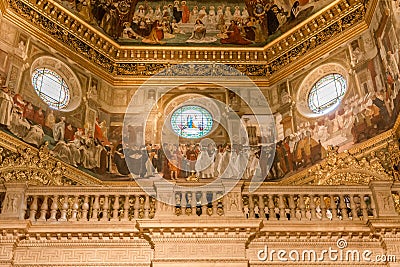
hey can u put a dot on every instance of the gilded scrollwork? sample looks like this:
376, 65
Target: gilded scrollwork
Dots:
346, 169
33, 167
119, 60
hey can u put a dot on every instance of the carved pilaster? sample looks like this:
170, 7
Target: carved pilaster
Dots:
384, 204
391, 244
14, 201
165, 198
233, 200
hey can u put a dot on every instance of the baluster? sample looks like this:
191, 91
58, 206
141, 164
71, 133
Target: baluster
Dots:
126, 209
54, 209
313, 208
334, 208
180, 199
193, 201
43, 209
292, 207
364, 207
302, 206
136, 207
105, 209
146, 207
271, 207
215, 203
141, 207
343, 208
373, 207
33, 209
96, 208
256, 206
115, 209
282, 212
64, 209
353, 207
204, 202
85, 208
261, 204
323, 208
75, 207
251, 207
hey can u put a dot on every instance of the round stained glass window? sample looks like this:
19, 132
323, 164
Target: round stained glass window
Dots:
51, 88
191, 122
327, 93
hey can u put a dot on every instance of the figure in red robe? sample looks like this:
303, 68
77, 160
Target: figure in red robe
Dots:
185, 12
29, 112
234, 36
69, 134
38, 117
19, 103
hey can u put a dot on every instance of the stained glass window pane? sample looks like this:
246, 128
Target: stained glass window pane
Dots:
191, 122
51, 88
327, 93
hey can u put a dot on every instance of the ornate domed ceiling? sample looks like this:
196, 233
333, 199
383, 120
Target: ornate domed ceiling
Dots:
120, 39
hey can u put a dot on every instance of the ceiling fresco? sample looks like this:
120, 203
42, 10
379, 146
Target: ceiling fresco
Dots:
195, 23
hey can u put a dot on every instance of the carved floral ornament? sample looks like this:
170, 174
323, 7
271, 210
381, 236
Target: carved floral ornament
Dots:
35, 168
345, 169
310, 80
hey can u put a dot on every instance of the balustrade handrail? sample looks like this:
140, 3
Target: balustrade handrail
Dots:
308, 189
87, 190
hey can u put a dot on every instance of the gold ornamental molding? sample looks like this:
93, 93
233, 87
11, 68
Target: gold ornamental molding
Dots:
385, 143
20, 162
347, 170
121, 64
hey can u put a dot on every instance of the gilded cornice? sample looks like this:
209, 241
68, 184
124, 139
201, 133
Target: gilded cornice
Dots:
366, 161
322, 32
24, 163
351, 166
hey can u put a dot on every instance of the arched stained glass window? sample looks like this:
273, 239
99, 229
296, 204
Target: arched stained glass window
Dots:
51, 88
327, 93
191, 122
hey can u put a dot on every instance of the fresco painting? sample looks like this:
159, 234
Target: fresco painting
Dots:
191, 22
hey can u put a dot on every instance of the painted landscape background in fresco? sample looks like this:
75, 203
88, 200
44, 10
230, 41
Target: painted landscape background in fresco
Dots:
90, 138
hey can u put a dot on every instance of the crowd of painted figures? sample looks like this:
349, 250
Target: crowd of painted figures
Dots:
88, 147
91, 150
154, 23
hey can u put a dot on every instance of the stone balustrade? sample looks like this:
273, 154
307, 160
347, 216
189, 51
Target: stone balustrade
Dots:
270, 203
310, 203
198, 202
87, 204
